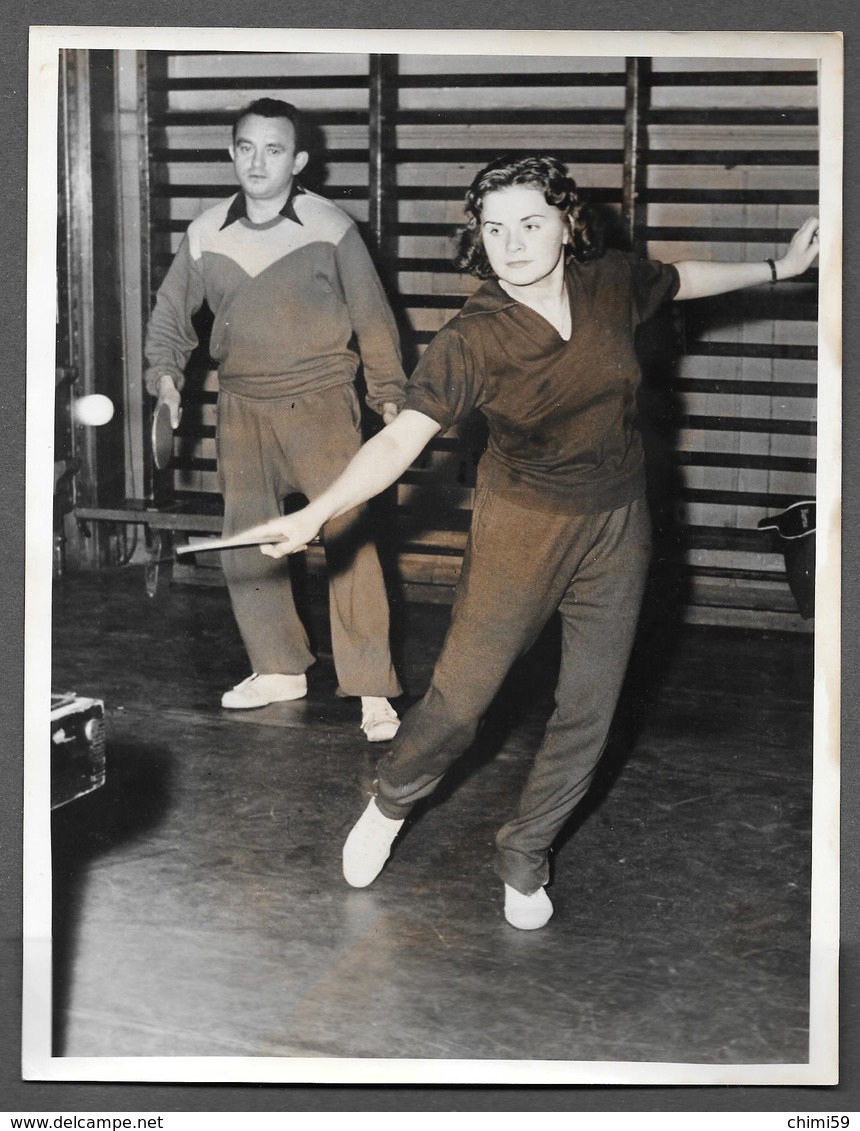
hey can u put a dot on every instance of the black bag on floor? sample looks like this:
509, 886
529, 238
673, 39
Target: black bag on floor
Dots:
796, 529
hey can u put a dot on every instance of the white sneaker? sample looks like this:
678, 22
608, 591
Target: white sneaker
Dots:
368, 846
379, 720
527, 912
260, 690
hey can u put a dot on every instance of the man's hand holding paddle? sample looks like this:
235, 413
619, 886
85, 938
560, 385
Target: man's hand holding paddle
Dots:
165, 421
168, 394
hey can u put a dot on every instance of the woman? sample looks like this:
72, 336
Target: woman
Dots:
545, 350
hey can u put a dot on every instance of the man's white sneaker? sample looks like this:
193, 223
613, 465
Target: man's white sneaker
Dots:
527, 912
379, 720
368, 846
260, 690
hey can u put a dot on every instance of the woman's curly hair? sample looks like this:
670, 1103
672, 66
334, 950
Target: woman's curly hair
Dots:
549, 176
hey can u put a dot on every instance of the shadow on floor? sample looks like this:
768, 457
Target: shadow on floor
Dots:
129, 807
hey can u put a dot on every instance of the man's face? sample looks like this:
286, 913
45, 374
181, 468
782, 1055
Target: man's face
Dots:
264, 157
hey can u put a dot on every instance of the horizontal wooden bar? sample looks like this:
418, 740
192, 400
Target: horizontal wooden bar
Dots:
748, 424
729, 574
741, 388
456, 80
420, 228
192, 119
166, 226
219, 191
198, 396
758, 499
203, 513
739, 540
431, 302
434, 265
717, 234
418, 544
429, 477
720, 158
766, 350
197, 502
745, 461
193, 463
201, 432
550, 116
710, 610
457, 192
135, 512
511, 79
755, 608
733, 158
713, 349
752, 77
727, 196
709, 116
164, 155
483, 153
219, 81
777, 304
732, 573
732, 78
740, 461
768, 304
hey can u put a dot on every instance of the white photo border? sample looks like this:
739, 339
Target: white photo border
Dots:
37, 1060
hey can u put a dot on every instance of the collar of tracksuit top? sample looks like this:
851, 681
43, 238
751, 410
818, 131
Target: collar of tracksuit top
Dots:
238, 210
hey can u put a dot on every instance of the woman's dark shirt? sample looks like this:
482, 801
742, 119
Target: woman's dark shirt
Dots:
562, 415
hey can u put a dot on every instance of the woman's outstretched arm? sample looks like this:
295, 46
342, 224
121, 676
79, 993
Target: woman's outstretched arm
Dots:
700, 278
377, 464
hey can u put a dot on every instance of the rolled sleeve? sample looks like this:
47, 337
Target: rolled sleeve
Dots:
653, 283
446, 383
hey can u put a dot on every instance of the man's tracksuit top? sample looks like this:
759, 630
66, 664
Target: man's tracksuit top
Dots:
287, 297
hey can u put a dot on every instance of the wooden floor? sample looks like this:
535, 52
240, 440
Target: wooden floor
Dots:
200, 909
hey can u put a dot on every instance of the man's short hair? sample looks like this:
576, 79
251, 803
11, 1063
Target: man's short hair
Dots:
273, 108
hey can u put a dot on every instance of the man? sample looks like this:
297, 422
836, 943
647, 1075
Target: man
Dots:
291, 287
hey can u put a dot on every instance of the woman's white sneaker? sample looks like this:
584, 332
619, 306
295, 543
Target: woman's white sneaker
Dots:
527, 912
368, 846
260, 690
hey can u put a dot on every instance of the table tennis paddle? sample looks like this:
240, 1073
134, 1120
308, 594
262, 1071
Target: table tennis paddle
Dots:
162, 437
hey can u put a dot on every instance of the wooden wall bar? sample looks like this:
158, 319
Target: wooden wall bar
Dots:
732, 170
683, 158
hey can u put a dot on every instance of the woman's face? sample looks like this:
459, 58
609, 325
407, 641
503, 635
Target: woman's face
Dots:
523, 235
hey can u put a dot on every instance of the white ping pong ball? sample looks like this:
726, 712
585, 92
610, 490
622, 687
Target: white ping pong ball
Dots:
93, 410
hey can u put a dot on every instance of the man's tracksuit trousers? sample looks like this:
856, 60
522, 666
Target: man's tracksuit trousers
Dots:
268, 450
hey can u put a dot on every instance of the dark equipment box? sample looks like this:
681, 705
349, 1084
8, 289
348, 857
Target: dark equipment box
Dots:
77, 747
